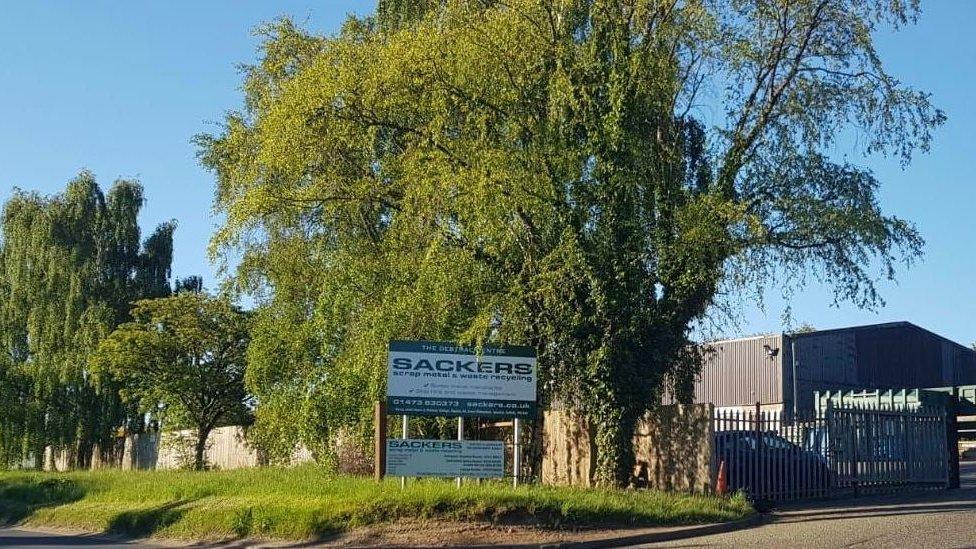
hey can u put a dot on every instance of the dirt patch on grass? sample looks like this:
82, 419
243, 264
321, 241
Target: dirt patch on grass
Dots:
440, 533
433, 533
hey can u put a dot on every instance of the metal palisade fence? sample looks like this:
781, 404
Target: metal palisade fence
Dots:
839, 451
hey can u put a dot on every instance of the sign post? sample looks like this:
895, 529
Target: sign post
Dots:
437, 379
517, 454
405, 434
446, 379
379, 442
418, 457
460, 435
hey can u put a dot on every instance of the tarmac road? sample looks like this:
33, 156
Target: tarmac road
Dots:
936, 519
13, 537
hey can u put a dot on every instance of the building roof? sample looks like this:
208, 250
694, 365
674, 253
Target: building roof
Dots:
880, 325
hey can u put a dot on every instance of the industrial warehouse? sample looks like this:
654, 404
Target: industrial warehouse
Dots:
783, 371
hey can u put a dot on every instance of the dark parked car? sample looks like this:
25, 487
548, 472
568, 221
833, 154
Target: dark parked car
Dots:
766, 466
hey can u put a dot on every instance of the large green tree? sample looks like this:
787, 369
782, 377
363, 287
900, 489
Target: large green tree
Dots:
584, 176
70, 265
183, 357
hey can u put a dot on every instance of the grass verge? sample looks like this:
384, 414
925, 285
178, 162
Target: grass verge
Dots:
309, 502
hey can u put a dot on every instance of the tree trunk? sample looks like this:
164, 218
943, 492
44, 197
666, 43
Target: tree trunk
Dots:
200, 449
83, 460
615, 448
38, 457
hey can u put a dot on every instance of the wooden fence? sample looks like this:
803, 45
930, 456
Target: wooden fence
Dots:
672, 449
227, 448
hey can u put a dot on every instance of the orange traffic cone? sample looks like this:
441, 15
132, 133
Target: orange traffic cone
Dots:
722, 484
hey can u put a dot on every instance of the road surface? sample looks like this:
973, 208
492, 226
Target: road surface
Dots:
929, 519
13, 537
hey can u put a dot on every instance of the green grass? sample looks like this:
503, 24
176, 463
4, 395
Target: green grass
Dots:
308, 502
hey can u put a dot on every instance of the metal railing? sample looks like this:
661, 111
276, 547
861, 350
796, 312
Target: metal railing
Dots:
874, 448
775, 456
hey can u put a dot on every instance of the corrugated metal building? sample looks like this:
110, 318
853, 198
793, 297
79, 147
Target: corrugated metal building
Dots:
741, 372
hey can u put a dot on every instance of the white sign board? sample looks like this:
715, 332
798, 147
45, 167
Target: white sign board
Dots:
413, 457
429, 378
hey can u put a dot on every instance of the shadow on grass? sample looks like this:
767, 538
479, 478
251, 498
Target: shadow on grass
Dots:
22, 497
146, 522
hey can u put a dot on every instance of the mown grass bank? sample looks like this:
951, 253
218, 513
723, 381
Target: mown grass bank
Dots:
308, 502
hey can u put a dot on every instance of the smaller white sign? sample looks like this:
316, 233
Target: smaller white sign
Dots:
411, 457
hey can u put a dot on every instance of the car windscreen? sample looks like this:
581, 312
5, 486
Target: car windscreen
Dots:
736, 441
777, 443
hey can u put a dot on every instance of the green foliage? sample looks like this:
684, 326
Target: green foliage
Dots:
804, 328
533, 172
192, 284
183, 357
306, 502
70, 264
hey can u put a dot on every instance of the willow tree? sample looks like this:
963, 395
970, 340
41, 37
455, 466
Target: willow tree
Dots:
541, 172
71, 265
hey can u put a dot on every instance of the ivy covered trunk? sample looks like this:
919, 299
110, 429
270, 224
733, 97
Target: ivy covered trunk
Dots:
615, 447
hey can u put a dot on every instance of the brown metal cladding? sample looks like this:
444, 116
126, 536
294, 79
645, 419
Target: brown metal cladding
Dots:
742, 371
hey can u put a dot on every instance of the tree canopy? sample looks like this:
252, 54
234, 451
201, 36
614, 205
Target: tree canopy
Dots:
183, 358
70, 265
549, 173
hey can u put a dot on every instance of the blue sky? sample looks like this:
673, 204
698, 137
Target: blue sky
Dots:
121, 88
936, 191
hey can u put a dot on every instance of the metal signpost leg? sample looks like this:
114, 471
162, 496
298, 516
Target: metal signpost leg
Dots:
517, 454
405, 434
460, 435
